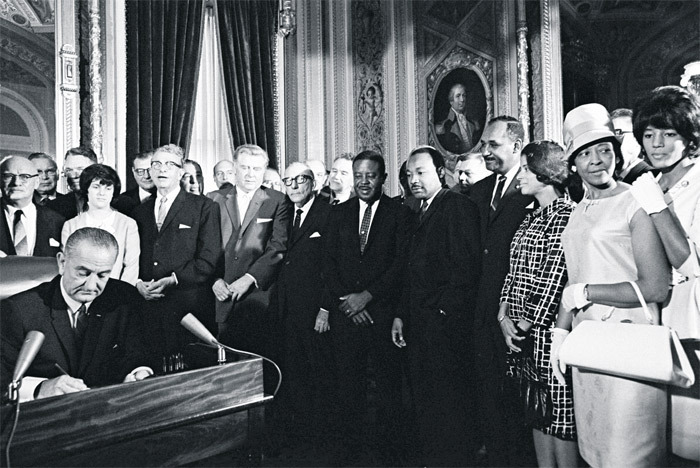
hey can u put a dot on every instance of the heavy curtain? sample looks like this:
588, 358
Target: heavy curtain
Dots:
163, 45
247, 32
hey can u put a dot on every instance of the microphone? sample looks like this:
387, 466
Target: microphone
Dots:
194, 326
30, 348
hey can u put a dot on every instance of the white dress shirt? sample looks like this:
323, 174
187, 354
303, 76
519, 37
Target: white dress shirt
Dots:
510, 175
28, 220
304, 210
363, 208
169, 199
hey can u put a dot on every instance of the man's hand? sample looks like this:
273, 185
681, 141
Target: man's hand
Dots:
144, 289
363, 319
139, 373
397, 333
322, 325
510, 333
239, 287
158, 287
60, 386
354, 303
221, 291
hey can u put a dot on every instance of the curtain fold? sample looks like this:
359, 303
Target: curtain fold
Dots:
163, 45
247, 32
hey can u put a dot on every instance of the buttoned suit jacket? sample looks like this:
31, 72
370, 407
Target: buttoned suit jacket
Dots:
255, 244
379, 270
188, 244
301, 273
497, 231
48, 228
113, 344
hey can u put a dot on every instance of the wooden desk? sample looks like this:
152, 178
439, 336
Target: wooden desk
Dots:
162, 421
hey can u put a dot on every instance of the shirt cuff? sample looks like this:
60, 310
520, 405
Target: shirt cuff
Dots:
253, 278
174, 277
29, 385
131, 376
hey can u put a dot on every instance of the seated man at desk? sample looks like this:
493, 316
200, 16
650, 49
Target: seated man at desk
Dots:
90, 323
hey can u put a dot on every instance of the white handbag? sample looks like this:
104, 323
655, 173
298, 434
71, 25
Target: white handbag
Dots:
636, 351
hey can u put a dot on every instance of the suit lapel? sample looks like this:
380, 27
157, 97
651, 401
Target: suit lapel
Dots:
42, 232
232, 209
381, 208
92, 335
63, 329
505, 198
432, 208
174, 208
258, 198
309, 221
6, 244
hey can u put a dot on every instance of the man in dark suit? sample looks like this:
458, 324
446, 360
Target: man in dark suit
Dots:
45, 190
254, 237
145, 189
305, 396
364, 269
25, 228
502, 208
91, 323
180, 248
69, 205
441, 283
632, 164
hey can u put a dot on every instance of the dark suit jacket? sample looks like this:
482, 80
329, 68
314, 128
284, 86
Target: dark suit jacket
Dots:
127, 201
301, 274
48, 226
451, 139
254, 245
65, 204
640, 168
113, 345
497, 232
379, 269
444, 257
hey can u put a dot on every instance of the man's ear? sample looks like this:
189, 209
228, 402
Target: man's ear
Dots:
517, 146
61, 261
441, 172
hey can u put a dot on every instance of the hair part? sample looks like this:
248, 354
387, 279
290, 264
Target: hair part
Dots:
144, 155
514, 128
371, 155
95, 236
82, 151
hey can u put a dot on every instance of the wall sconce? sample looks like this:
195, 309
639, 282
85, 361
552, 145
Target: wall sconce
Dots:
288, 18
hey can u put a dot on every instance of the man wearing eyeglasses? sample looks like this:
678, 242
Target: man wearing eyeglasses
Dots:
48, 178
180, 248
254, 238
76, 160
25, 228
145, 189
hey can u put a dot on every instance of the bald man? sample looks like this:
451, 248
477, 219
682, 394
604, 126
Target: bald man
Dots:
25, 228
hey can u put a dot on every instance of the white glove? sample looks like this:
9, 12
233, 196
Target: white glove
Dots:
647, 192
558, 367
574, 297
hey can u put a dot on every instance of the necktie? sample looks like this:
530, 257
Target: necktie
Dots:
81, 322
21, 244
364, 227
297, 221
423, 208
162, 212
499, 192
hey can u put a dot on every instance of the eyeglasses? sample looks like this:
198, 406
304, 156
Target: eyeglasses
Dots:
619, 131
8, 177
300, 180
72, 172
48, 172
222, 173
157, 165
141, 172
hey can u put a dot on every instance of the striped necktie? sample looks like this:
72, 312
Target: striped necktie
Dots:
162, 213
20, 235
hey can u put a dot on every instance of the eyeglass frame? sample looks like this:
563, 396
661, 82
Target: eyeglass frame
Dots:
158, 165
141, 172
8, 177
289, 181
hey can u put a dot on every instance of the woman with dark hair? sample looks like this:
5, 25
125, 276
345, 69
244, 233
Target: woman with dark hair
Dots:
100, 185
530, 299
667, 125
192, 180
609, 242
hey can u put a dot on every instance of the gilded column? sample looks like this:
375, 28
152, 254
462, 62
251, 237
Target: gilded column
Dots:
523, 84
95, 74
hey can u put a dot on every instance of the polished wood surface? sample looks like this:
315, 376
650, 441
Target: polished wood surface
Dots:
19, 273
168, 420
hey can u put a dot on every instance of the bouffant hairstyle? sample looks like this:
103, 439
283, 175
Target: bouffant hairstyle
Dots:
547, 160
101, 173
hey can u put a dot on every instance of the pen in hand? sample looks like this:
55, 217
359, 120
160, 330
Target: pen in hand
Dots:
63, 371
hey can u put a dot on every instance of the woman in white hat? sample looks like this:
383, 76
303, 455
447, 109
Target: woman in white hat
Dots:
608, 242
667, 125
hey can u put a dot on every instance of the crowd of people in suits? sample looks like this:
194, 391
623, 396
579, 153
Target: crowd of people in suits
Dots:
453, 299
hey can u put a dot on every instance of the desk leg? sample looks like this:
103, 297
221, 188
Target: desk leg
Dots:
256, 434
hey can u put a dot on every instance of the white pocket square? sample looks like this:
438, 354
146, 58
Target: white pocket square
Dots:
531, 206
184, 226
315, 234
53, 242
263, 220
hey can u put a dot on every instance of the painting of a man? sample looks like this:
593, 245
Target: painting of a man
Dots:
458, 133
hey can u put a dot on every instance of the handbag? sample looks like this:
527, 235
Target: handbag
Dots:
636, 351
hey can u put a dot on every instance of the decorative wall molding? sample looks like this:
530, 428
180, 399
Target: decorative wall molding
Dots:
114, 87
523, 83
95, 77
38, 139
67, 80
45, 69
339, 98
551, 70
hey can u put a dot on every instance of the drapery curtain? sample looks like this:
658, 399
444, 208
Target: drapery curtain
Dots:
247, 32
211, 137
163, 45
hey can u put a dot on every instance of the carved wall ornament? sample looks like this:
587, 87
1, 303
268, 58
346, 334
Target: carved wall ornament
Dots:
11, 47
95, 73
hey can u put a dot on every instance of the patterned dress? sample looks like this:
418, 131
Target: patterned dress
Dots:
533, 290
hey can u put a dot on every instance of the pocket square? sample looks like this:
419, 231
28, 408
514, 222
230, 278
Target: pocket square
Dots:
531, 206
315, 234
53, 242
184, 226
263, 220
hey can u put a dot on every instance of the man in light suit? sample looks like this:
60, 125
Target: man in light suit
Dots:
442, 273
502, 208
457, 133
180, 248
364, 269
25, 228
91, 323
254, 237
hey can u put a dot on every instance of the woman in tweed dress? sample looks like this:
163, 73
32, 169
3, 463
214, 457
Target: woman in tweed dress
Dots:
531, 294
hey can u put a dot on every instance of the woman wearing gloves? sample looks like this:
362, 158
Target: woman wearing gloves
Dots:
608, 242
531, 294
667, 125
